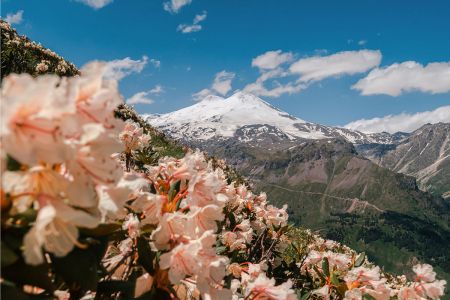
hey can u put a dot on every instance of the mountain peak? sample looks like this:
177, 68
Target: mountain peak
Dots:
211, 98
245, 98
219, 118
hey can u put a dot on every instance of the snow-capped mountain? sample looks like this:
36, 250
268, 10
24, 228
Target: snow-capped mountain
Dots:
248, 118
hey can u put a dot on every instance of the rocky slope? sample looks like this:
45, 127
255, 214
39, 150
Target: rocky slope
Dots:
424, 154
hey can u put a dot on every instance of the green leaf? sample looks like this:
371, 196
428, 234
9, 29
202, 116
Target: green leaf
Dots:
319, 273
111, 287
334, 279
174, 189
146, 255
26, 217
79, 268
221, 249
12, 164
368, 297
8, 256
305, 296
232, 220
101, 230
10, 291
326, 267
22, 274
155, 293
227, 281
360, 259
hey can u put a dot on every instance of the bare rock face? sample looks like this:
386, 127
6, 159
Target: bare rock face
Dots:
424, 154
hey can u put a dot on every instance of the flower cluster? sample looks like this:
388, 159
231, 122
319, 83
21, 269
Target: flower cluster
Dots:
178, 228
185, 207
193, 213
133, 137
19, 54
62, 132
339, 271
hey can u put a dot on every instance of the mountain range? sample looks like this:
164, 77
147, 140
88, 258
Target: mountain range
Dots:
243, 113
377, 192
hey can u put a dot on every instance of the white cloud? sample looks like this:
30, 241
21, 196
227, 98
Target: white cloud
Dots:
310, 69
342, 63
143, 97
362, 42
221, 85
402, 122
174, 6
16, 18
199, 96
140, 98
185, 28
270, 67
195, 26
222, 82
158, 89
120, 68
258, 88
271, 59
408, 76
200, 18
96, 4
156, 63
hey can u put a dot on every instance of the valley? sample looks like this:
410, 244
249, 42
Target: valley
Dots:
350, 186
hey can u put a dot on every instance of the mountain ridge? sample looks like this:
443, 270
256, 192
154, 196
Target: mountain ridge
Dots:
220, 118
252, 120
424, 154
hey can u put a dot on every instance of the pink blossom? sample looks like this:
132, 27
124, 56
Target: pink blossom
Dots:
181, 261
324, 293
191, 164
131, 225
172, 227
144, 284
114, 198
132, 137
150, 205
27, 187
205, 218
235, 269
435, 290
124, 247
362, 275
30, 131
56, 231
424, 272
264, 288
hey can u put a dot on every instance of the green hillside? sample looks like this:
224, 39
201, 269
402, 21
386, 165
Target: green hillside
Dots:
330, 188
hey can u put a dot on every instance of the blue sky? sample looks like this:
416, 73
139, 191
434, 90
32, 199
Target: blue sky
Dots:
234, 32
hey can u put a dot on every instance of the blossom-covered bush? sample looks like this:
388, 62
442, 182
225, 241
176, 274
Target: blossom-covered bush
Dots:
21, 55
89, 212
